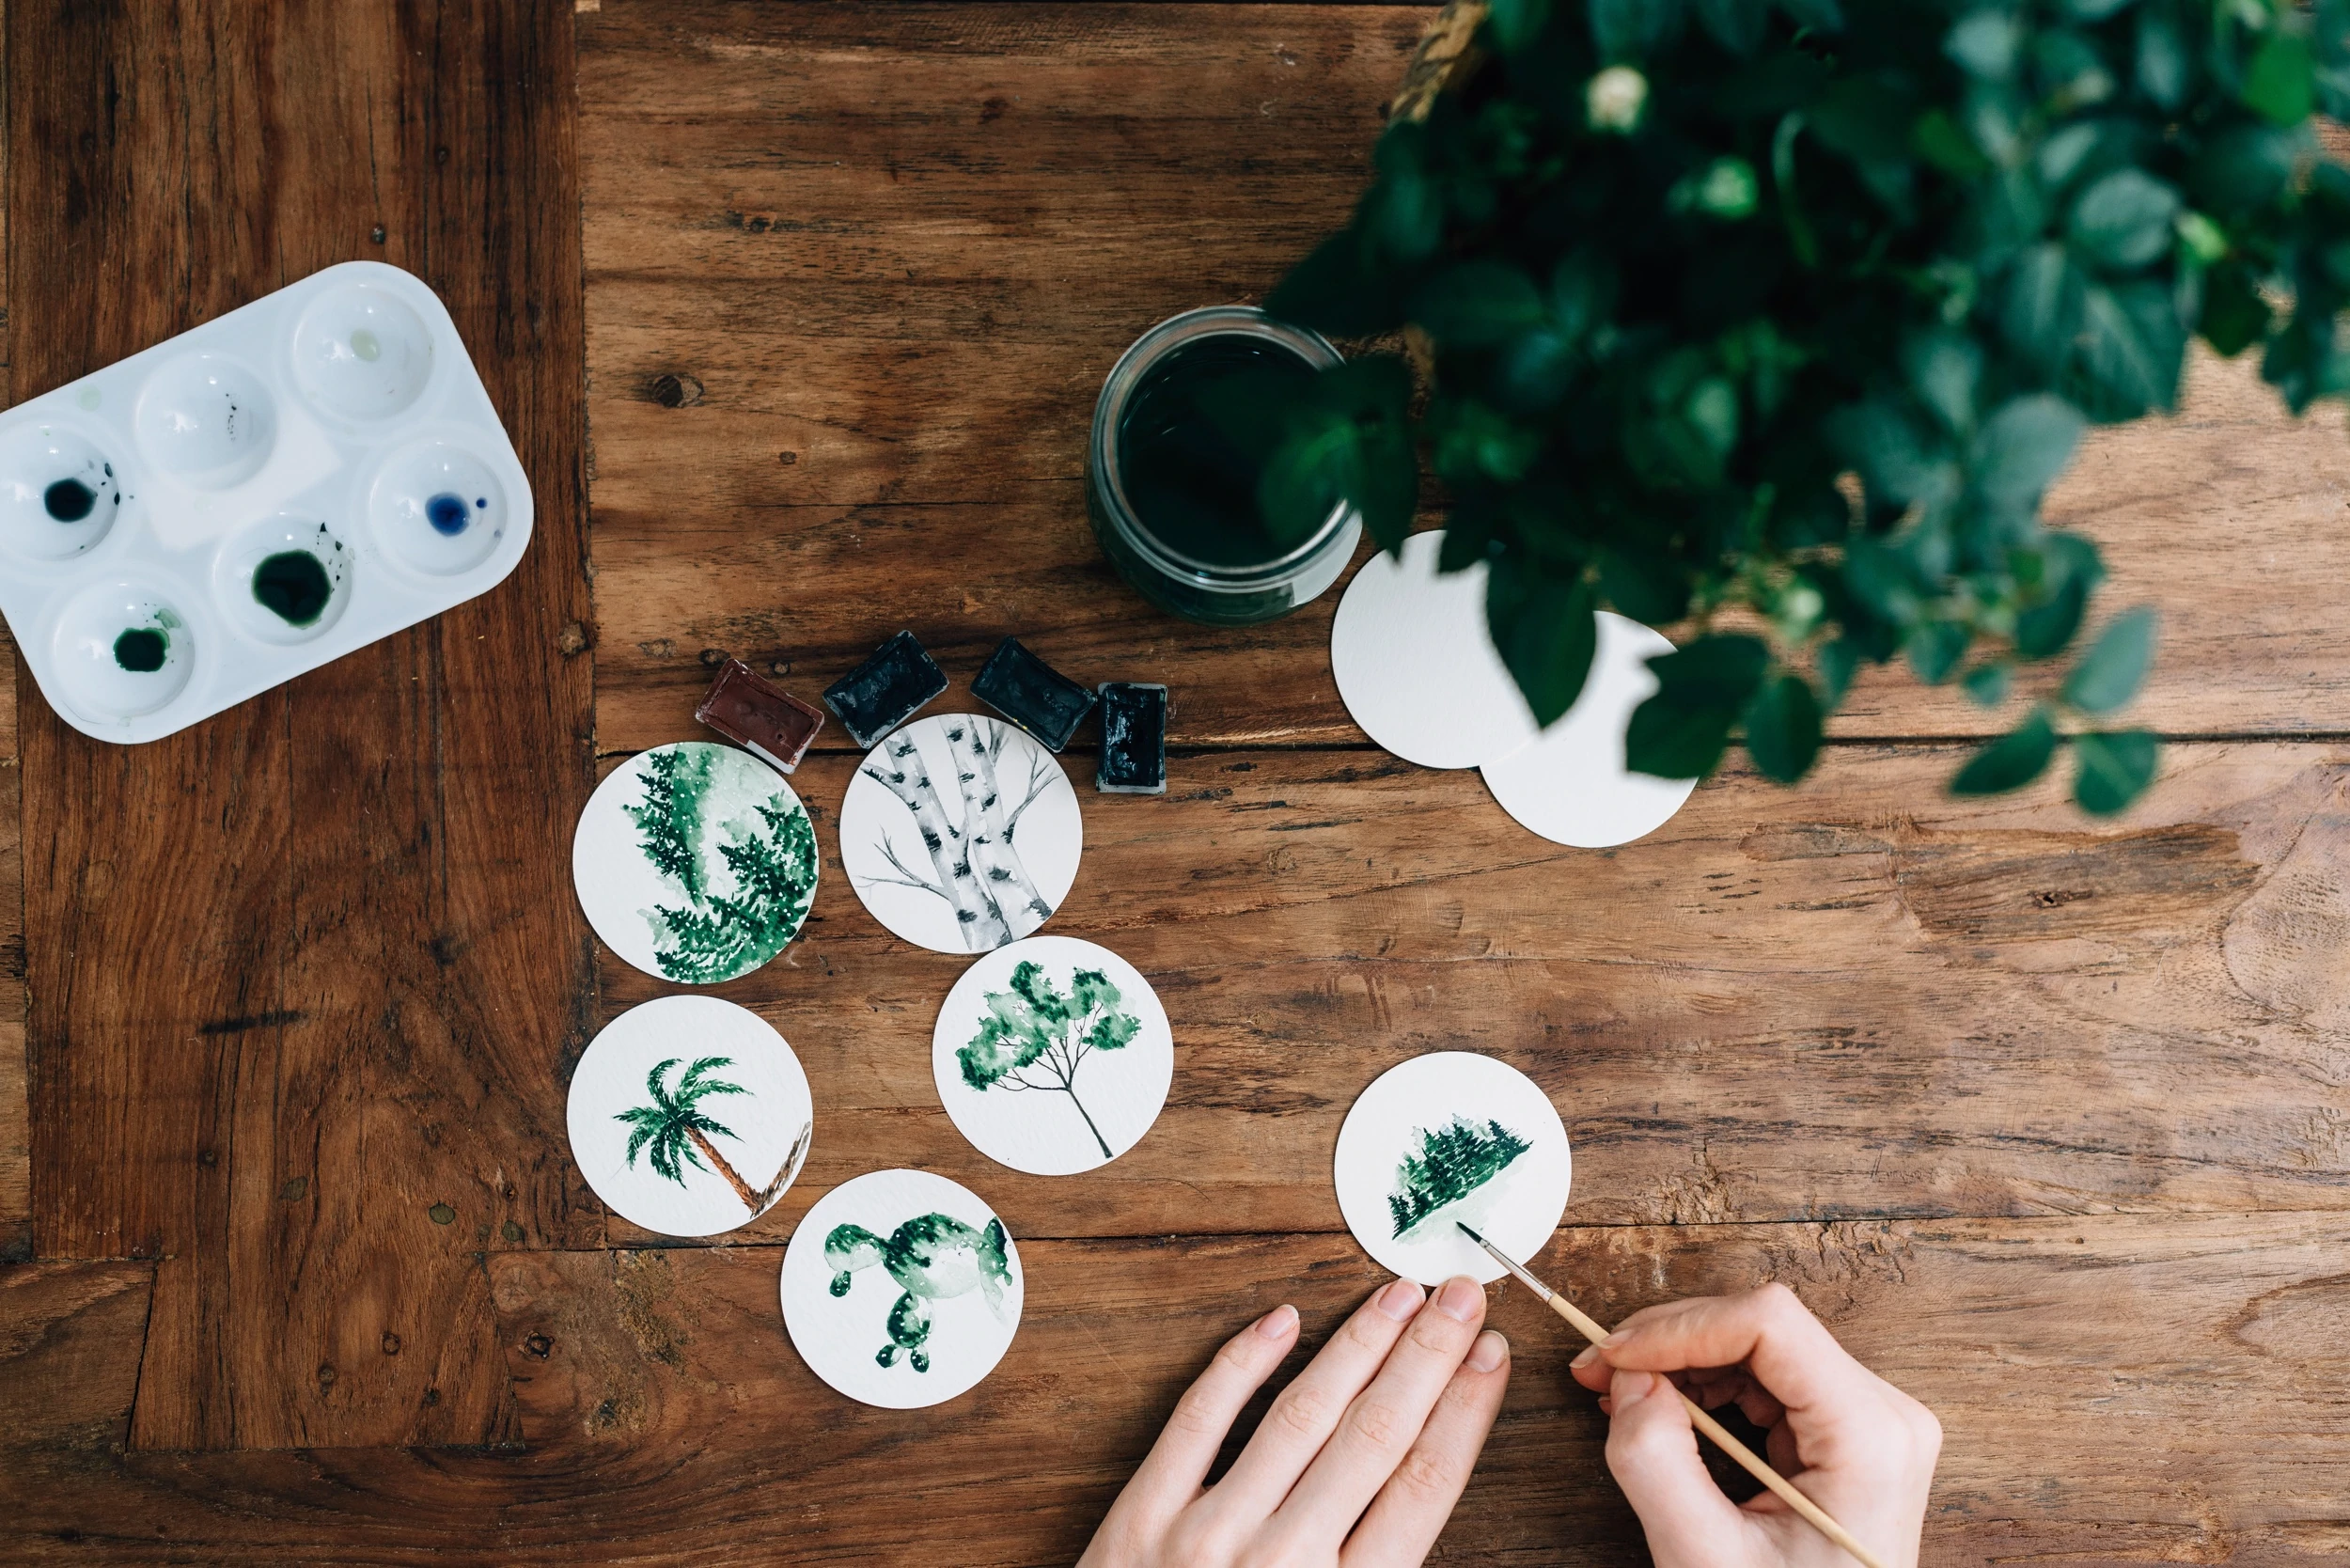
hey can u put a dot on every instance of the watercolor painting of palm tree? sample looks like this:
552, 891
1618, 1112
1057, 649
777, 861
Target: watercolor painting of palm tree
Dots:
746, 876
969, 835
1447, 1164
1035, 1036
674, 1131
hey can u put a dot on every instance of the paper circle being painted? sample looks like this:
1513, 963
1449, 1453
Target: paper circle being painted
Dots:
960, 833
690, 1116
902, 1289
1051, 1056
1570, 784
1453, 1135
1418, 668
695, 862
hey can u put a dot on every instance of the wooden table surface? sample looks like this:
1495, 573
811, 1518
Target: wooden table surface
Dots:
796, 313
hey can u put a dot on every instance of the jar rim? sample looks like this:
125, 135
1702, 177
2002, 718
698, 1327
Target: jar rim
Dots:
1118, 389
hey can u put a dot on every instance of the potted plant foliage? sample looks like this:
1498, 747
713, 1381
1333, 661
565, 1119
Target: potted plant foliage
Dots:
1769, 322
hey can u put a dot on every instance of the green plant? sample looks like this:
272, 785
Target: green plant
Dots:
1773, 320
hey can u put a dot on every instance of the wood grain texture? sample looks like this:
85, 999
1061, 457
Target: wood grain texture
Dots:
300, 975
664, 1410
1860, 999
890, 256
16, 1154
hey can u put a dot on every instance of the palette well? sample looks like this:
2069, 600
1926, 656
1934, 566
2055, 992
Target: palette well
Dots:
251, 499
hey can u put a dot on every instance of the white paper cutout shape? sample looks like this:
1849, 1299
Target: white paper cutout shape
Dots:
695, 862
902, 1289
960, 833
1484, 1146
1418, 668
1052, 1056
689, 1116
1569, 785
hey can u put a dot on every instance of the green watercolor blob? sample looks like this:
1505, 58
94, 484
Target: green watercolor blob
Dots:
366, 345
1450, 1162
88, 396
293, 586
142, 650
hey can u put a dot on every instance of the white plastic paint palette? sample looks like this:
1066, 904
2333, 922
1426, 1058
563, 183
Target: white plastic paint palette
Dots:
250, 500
1417, 669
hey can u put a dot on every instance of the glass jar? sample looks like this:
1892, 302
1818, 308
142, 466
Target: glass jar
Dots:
1174, 503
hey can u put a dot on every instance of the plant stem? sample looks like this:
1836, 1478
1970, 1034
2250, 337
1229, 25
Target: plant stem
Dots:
1089, 1126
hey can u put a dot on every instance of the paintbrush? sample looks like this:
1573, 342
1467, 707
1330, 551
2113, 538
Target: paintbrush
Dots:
1752, 1463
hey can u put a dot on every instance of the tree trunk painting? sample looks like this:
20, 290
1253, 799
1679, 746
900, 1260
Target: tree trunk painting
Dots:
977, 870
718, 1162
907, 776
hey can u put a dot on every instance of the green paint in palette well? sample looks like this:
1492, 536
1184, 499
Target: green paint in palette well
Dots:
932, 1257
142, 650
747, 876
366, 345
293, 586
1450, 1163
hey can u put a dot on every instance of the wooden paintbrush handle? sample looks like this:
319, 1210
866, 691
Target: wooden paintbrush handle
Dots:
1748, 1461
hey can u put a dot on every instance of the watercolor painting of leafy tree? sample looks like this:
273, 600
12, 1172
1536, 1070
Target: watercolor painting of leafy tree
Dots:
674, 1131
748, 878
969, 838
1035, 1036
1449, 1164
931, 1257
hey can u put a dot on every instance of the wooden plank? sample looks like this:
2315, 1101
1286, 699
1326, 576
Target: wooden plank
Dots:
265, 1062
16, 1154
2186, 1385
1862, 999
899, 251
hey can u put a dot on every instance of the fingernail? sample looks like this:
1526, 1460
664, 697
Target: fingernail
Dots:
1631, 1388
1278, 1323
1585, 1360
1460, 1299
1612, 1341
1401, 1299
1487, 1353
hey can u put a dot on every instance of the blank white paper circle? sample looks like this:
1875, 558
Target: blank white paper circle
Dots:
901, 1270
1516, 1208
1570, 783
1415, 666
1007, 838
757, 1092
1078, 1105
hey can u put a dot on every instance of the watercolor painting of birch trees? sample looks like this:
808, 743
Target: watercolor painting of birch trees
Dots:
960, 833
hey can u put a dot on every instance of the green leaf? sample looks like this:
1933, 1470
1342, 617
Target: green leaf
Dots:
1477, 304
1517, 22
2123, 220
2023, 447
2133, 346
1987, 685
1838, 660
2071, 571
1349, 438
1648, 589
2234, 315
2115, 666
1933, 649
1335, 290
1735, 24
2012, 760
1783, 727
1546, 632
2040, 304
2112, 768
1682, 730
2163, 63
2281, 84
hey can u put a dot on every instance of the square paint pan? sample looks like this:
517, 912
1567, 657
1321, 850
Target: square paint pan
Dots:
213, 516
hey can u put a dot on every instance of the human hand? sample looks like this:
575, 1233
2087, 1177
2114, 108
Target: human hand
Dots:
1849, 1440
1381, 1427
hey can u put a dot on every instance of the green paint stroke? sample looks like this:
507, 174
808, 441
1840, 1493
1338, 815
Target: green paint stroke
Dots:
1450, 1162
674, 1131
743, 903
932, 1257
1035, 1035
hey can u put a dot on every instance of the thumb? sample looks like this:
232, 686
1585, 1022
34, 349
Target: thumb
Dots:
1653, 1454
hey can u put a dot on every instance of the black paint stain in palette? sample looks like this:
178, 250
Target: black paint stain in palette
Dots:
69, 500
1032, 694
885, 690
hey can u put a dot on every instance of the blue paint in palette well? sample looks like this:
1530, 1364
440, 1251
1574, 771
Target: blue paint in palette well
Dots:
448, 514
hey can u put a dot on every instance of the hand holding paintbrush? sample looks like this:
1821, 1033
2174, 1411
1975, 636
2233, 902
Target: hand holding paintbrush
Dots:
1864, 1448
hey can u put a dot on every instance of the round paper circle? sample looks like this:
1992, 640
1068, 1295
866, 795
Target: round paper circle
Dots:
960, 833
1418, 668
690, 1116
1570, 784
1051, 1056
902, 1289
695, 862
1453, 1135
